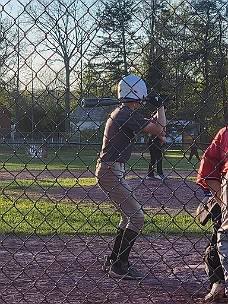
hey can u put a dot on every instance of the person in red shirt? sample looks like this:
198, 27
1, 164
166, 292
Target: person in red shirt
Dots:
213, 176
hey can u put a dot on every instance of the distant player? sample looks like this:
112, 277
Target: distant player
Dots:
155, 144
193, 151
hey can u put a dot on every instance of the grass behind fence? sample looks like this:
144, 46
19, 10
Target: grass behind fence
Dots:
44, 218
84, 158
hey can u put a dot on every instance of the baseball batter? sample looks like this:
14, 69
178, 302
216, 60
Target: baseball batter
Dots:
121, 128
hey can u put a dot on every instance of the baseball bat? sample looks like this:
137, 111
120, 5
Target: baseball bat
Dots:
98, 102
156, 100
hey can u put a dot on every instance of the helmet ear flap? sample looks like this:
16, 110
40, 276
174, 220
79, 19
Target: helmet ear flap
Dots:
133, 87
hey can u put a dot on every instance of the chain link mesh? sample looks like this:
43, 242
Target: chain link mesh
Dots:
57, 226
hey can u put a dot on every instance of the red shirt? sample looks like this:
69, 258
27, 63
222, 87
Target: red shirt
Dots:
214, 163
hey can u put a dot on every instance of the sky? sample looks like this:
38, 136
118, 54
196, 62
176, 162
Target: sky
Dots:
36, 61
30, 62
12, 7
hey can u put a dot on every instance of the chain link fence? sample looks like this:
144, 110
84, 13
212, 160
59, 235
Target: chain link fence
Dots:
57, 226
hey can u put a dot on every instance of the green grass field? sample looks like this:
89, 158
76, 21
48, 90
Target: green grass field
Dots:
26, 216
84, 158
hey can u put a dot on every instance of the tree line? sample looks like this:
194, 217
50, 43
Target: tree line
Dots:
54, 53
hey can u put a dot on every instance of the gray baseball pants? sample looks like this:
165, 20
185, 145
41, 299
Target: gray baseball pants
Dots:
110, 178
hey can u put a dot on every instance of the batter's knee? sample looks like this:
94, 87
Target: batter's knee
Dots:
137, 221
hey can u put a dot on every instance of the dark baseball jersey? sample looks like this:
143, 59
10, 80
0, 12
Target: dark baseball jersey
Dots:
121, 128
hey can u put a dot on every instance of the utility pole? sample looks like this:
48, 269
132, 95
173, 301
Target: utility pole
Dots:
17, 82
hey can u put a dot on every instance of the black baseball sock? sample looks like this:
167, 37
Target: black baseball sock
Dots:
117, 244
128, 239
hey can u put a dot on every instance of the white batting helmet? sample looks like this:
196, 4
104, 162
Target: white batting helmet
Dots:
133, 87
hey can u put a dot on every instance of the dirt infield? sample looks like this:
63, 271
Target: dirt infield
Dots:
67, 269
